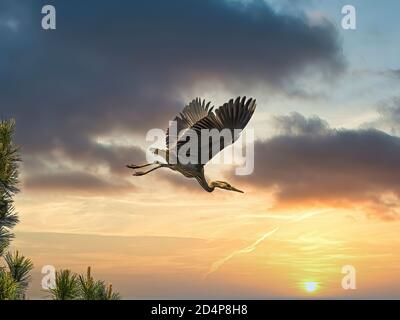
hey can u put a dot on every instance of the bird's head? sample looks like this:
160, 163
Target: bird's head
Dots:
224, 185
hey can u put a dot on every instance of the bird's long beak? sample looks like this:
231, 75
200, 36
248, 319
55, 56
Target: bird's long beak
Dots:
237, 190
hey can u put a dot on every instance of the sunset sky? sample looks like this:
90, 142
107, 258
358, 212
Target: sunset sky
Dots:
325, 190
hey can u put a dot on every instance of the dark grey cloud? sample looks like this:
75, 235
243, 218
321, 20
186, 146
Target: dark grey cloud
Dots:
297, 124
75, 181
388, 118
118, 66
89, 154
339, 167
51, 172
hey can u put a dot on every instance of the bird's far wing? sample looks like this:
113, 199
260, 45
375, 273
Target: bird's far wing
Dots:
232, 115
190, 115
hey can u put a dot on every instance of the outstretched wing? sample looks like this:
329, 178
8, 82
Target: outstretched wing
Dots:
231, 117
191, 114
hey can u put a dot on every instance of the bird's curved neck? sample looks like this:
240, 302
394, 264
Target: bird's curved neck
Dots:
203, 182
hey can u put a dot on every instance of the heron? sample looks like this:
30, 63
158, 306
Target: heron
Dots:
196, 116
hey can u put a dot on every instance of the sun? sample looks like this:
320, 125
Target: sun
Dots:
311, 286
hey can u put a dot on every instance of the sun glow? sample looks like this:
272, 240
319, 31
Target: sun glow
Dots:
311, 286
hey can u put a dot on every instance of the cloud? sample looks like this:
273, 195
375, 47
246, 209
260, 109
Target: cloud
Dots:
75, 182
9, 23
115, 158
394, 73
389, 112
312, 164
387, 73
297, 124
85, 165
388, 118
107, 69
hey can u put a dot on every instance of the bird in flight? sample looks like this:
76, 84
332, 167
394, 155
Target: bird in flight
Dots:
232, 116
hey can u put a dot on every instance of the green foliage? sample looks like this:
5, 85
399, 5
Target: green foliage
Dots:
91, 289
19, 268
70, 286
8, 287
14, 281
106, 293
9, 160
88, 287
66, 286
5, 238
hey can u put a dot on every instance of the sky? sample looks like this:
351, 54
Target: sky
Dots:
325, 188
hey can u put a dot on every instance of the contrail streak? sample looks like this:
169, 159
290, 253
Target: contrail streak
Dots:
310, 215
216, 265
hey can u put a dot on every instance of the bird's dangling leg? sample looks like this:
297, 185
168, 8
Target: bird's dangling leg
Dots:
140, 173
134, 166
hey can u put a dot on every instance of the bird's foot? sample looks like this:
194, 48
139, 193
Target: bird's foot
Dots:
139, 173
132, 166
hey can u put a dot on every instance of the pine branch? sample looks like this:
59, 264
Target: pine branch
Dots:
9, 161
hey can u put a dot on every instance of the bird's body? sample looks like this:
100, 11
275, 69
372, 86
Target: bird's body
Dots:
232, 117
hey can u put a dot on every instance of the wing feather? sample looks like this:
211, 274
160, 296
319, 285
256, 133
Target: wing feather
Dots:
235, 114
190, 115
